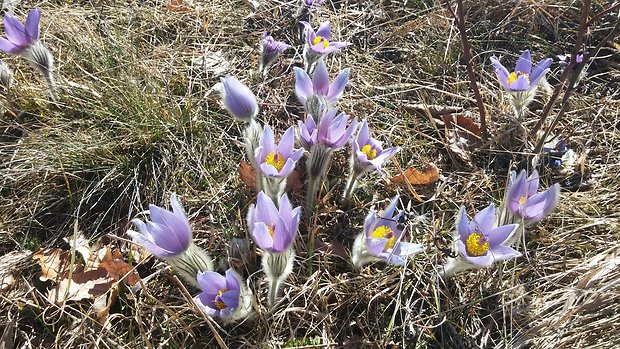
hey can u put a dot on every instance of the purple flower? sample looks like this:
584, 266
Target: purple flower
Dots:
333, 131
273, 230
308, 132
305, 89
315, 3
479, 242
523, 78
238, 99
19, 36
383, 236
220, 296
368, 151
318, 41
277, 160
270, 49
168, 234
523, 199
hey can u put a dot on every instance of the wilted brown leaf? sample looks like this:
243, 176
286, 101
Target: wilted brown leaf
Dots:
430, 175
177, 6
333, 247
117, 268
81, 285
462, 135
80, 243
53, 262
293, 183
247, 175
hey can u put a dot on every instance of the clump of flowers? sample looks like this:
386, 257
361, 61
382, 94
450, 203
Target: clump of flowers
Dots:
381, 239
368, 154
318, 44
227, 298
318, 94
274, 229
23, 40
270, 49
168, 235
479, 243
521, 84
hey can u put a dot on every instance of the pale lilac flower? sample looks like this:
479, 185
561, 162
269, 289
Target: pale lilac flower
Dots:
318, 41
315, 3
333, 131
270, 49
523, 78
307, 90
220, 295
308, 133
382, 236
273, 229
168, 234
369, 152
479, 242
20, 36
238, 99
277, 160
523, 199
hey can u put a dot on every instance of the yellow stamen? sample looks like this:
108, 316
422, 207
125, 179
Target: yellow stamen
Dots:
512, 77
276, 160
384, 232
270, 230
477, 245
319, 39
522, 200
369, 151
218, 303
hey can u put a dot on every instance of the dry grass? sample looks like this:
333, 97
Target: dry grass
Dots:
133, 125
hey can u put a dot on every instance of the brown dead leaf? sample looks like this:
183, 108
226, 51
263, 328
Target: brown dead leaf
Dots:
80, 243
53, 261
117, 268
333, 247
247, 175
462, 135
428, 176
293, 183
81, 285
177, 6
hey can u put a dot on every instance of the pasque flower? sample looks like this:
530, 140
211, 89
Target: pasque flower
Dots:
333, 131
318, 43
317, 93
168, 234
238, 99
523, 199
369, 152
479, 242
277, 160
273, 228
315, 3
223, 297
523, 78
270, 49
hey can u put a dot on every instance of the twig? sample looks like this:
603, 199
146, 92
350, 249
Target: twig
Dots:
459, 17
599, 15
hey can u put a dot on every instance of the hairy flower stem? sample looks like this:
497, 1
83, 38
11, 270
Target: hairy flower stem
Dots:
317, 165
277, 267
350, 187
190, 263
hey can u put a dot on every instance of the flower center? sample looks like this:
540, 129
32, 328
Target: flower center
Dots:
270, 229
512, 77
477, 245
276, 160
384, 232
219, 304
320, 39
522, 200
370, 152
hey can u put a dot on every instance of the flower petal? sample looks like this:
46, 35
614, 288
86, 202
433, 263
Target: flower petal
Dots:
211, 282
263, 239
502, 253
14, 30
498, 235
9, 47
500, 71
324, 30
540, 69
337, 86
462, 225
524, 64
239, 99
303, 85
320, 79
32, 25
484, 220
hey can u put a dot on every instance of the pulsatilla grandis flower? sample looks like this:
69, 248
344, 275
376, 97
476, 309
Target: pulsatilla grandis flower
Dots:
318, 93
318, 41
381, 238
238, 99
227, 298
277, 159
270, 49
369, 152
333, 131
273, 229
168, 234
523, 78
523, 199
308, 132
315, 3
479, 242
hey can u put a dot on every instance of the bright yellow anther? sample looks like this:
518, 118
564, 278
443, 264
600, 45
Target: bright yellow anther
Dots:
512, 77
276, 160
476, 245
319, 39
384, 232
522, 200
369, 151
218, 303
270, 230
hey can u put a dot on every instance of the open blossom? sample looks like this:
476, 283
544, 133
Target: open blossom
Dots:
20, 36
523, 78
270, 49
524, 200
479, 242
382, 238
277, 159
315, 94
318, 41
168, 234
333, 131
220, 295
273, 229
369, 152
238, 99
